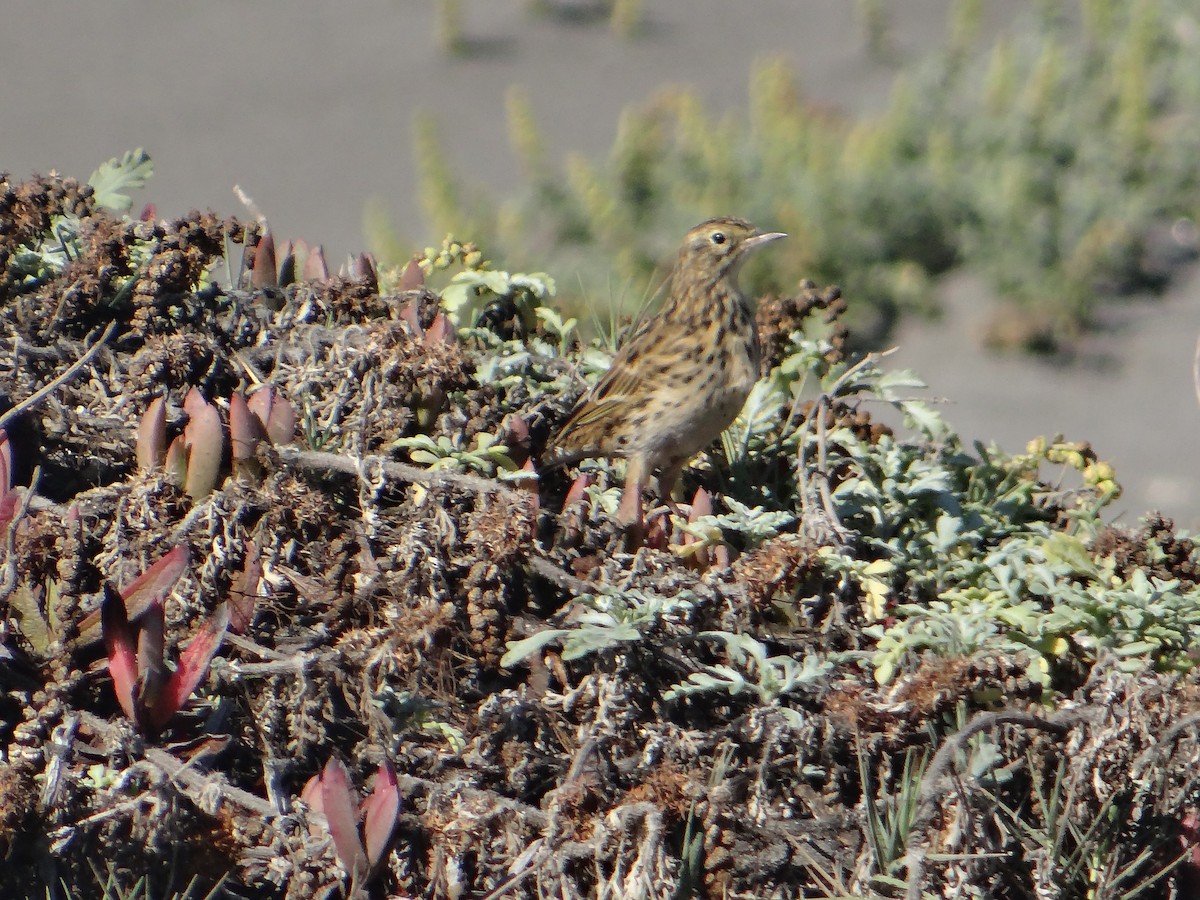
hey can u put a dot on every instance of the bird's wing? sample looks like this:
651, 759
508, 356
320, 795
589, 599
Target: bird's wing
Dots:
603, 408
589, 428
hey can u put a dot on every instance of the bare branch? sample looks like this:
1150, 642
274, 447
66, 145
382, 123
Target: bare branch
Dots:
316, 460
38, 396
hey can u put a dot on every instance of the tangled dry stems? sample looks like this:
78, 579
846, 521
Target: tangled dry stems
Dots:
391, 591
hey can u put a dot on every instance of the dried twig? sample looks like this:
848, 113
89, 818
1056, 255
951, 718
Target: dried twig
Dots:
316, 460
71, 371
542, 850
9, 580
195, 783
934, 784
539, 565
1165, 741
820, 520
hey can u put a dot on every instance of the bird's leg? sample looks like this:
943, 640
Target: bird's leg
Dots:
666, 484
629, 513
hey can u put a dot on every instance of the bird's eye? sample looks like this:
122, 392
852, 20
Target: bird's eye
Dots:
718, 237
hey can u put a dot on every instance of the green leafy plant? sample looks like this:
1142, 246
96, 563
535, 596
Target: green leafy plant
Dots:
486, 455
112, 179
470, 293
890, 816
59, 244
752, 669
111, 887
607, 620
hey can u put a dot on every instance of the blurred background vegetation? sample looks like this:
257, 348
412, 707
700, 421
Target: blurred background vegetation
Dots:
1059, 160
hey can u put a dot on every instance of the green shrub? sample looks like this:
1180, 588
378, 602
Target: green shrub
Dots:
1044, 162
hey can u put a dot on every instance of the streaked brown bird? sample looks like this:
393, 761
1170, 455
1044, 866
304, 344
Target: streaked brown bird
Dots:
682, 377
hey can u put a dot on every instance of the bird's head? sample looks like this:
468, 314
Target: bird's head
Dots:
719, 246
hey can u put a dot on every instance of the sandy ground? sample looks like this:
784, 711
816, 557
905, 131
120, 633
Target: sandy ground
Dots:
308, 106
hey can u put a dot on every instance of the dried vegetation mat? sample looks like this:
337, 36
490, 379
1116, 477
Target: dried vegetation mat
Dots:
289, 609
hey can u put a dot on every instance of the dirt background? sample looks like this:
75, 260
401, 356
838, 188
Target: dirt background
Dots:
309, 105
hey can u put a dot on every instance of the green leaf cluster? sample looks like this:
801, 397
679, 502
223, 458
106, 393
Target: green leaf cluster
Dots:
60, 243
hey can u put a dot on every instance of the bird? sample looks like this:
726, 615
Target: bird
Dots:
683, 375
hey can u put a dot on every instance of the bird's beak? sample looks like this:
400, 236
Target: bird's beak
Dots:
759, 239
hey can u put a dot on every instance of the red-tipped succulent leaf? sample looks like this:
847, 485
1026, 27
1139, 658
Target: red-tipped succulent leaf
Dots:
152, 436
315, 266
246, 432
337, 799
276, 413
263, 272
379, 813
412, 278
204, 437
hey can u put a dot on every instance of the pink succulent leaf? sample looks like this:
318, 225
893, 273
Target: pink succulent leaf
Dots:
412, 318
263, 272
440, 331
151, 668
578, 491
205, 439
530, 487
311, 794
246, 432
192, 668
362, 268
315, 267
243, 593
337, 797
279, 417
281, 423
120, 645
412, 278
657, 533
574, 508
260, 402
516, 431
277, 414
157, 581
149, 213
8, 508
287, 265
701, 506
379, 813
152, 436
721, 556
176, 461
5, 463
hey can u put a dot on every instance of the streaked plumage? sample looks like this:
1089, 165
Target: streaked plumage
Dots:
683, 376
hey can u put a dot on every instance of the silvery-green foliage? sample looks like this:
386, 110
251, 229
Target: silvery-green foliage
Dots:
750, 668
112, 179
605, 621
755, 524
471, 292
60, 244
485, 455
